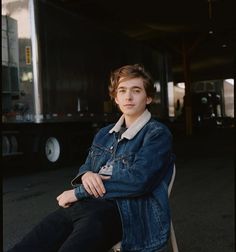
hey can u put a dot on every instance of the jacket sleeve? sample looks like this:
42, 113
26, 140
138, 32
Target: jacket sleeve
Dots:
144, 174
82, 170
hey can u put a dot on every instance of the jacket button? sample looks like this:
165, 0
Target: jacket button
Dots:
111, 148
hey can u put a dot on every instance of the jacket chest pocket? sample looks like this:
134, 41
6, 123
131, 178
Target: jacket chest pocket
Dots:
127, 161
98, 157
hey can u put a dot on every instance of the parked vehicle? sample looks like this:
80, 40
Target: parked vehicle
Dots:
55, 71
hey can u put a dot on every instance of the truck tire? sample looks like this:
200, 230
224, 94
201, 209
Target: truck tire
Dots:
5, 146
14, 144
51, 151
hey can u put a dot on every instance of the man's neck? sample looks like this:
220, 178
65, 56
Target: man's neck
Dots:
130, 119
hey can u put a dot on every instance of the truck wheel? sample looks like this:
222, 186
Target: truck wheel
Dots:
5, 145
52, 149
14, 144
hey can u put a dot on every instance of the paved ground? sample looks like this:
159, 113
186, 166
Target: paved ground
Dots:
202, 199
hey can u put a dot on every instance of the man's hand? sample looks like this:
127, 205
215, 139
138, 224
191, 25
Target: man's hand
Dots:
93, 183
66, 198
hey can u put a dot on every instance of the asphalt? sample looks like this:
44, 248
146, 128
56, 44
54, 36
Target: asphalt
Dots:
202, 198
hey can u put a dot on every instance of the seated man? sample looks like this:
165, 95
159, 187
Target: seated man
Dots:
121, 191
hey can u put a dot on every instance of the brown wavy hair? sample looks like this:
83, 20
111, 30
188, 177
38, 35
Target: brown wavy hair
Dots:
129, 72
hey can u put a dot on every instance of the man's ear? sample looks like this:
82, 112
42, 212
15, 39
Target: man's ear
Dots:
149, 100
116, 101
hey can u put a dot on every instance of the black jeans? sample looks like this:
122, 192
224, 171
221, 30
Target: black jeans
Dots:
87, 226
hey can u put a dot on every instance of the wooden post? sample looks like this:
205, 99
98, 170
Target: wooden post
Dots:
188, 106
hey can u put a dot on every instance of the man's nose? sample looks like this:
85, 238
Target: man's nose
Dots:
128, 95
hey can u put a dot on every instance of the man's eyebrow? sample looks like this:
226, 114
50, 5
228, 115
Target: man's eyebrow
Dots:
130, 87
137, 87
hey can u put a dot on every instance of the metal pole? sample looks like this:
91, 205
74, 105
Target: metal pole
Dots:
36, 64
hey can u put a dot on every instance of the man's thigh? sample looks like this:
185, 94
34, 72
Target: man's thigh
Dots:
96, 227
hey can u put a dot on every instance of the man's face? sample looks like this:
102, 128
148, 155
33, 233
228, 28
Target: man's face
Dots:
132, 98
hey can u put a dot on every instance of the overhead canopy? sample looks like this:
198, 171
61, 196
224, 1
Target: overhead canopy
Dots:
205, 27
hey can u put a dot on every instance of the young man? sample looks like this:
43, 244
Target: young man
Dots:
121, 191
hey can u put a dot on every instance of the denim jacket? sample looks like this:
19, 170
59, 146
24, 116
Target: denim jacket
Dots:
140, 166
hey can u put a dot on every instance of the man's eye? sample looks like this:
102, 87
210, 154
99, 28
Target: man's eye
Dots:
137, 90
121, 91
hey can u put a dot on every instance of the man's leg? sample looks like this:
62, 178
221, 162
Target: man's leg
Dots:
98, 227
48, 235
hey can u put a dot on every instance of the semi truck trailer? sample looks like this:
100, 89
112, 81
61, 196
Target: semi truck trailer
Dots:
55, 75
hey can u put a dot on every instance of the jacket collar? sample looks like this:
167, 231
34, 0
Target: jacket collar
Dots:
134, 128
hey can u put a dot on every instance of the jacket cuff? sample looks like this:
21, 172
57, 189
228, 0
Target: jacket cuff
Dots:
80, 192
77, 180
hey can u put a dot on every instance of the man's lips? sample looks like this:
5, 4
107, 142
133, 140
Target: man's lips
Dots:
128, 105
